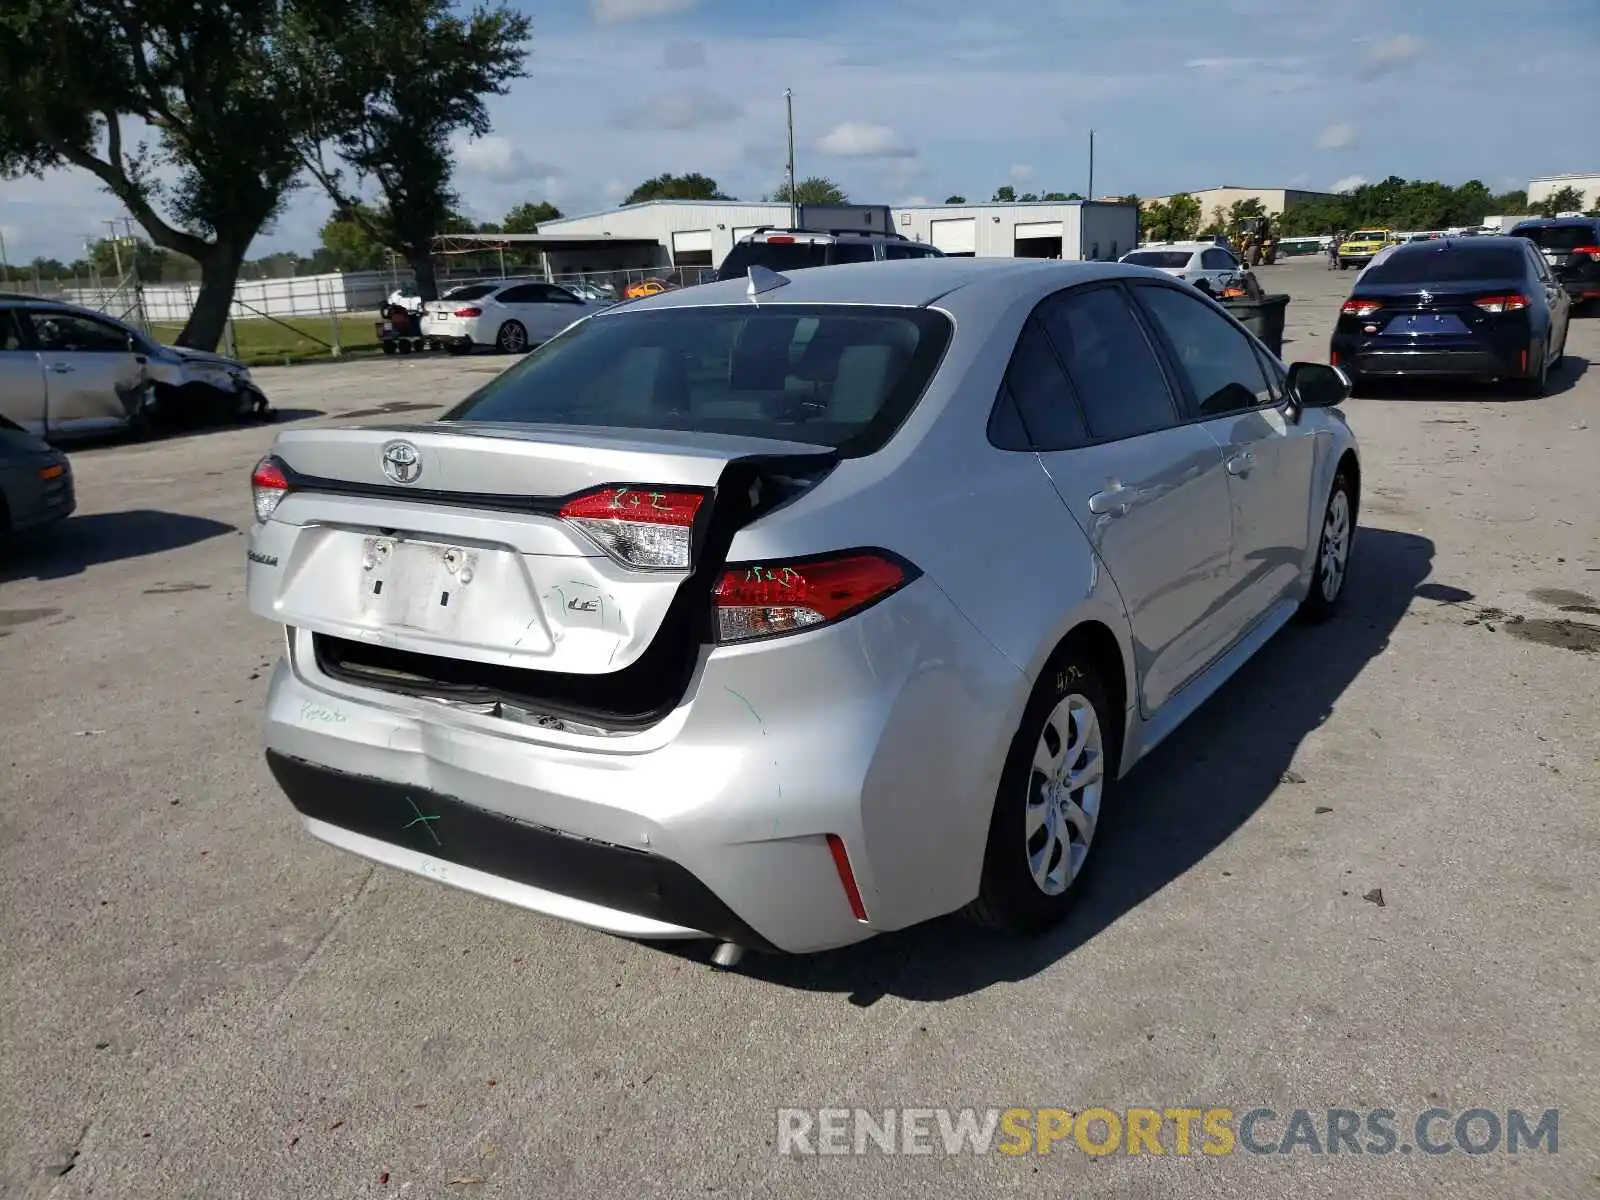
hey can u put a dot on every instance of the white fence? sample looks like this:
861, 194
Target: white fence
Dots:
298, 296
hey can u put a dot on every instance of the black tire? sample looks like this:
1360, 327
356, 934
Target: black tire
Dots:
390, 348
512, 338
1319, 605
1008, 897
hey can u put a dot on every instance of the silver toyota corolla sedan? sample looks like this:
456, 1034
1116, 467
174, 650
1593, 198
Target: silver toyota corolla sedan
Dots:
789, 610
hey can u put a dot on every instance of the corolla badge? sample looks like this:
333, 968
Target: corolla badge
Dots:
1425, 297
401, 462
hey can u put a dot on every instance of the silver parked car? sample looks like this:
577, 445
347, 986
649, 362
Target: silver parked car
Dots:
787, 611
67, 370
1208, 266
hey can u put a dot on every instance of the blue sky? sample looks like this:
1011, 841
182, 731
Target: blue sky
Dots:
901, 100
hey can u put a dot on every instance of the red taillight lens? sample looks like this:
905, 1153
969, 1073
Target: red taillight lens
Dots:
1359, 307
469, 311
1592, 251
269, 483
639, 526
761, 600
1500, 304
780, 241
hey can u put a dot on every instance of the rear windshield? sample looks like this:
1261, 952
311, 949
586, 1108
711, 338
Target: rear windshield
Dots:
791, 256
843, 376
1160, 258
472, 291
1565, 238
1448, 263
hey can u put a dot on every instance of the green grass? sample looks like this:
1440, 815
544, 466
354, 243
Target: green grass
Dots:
266, 342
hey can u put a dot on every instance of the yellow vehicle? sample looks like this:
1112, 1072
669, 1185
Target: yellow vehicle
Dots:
1358, 249
650, 287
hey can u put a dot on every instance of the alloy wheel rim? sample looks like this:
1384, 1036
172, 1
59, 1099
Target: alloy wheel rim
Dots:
513, 336
1335, 545
1065, 784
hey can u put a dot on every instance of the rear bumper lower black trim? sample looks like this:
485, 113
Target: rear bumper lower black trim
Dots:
440, 826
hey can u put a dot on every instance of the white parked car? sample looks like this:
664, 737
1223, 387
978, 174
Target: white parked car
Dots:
1208, 266
512, 315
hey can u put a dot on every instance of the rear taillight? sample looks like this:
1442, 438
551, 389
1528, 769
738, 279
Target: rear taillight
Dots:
761, 600
1502, 304
1592, 251
639, 526
269, 483
1359, 307
469, 312
780, 241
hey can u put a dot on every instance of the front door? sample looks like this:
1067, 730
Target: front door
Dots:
1237, 395
1148, 491
93, 378
22, 392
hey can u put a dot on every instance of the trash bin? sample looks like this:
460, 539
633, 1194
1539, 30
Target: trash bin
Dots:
1263, 317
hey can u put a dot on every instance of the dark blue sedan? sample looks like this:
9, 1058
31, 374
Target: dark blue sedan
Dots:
1483, 307
35, 482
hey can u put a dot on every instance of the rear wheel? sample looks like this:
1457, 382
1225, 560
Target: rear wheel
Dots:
1332, 567
1052, 794
513, 338
1536, 382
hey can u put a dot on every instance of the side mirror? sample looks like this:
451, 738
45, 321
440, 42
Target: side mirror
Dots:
1317, 385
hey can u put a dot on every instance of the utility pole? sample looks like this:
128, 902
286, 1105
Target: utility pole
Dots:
5, 269
794, 199
116, 248
1090, 196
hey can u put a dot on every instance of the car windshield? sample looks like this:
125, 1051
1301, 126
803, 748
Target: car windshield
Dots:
1447, 263
1160, 258
1564, 238
1368, 235
791, 256
842, 376
472, 291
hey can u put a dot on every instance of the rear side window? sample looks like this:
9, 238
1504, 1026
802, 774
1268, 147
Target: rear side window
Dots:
1218, 360
1169, 259
11, 331
842, 376
1217, 260
1043, 399
471, 291
1563, 238
1448, 262
1109, 360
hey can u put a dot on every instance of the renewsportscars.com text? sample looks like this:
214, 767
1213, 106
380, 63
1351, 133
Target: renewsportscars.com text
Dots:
1214, 1132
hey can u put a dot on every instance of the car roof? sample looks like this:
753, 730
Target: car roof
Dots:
1554, 222
915, 282
1433, 244
1177, 246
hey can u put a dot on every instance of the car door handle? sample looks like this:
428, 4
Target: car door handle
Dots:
1239, 464
1113, 502
61, 368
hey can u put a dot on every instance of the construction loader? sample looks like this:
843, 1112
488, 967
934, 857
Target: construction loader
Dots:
1255, 242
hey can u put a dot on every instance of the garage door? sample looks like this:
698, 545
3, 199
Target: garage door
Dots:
691, 242
955, 236
1038, 229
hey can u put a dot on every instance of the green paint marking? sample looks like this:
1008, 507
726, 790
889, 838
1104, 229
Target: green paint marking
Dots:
750, 706
422, 820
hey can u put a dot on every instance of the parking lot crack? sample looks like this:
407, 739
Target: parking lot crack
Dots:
340, 916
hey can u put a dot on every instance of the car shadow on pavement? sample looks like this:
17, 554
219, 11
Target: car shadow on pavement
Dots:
1562, 379
77, 543
1183, 801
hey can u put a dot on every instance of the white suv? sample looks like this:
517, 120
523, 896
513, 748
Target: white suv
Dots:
1208, 266
793, 249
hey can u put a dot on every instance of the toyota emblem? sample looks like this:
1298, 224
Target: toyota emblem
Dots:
401, 462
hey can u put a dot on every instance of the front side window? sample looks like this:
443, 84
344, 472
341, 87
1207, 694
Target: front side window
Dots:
842, 376
1113, 369
69, 332
1218, 360
1218, 260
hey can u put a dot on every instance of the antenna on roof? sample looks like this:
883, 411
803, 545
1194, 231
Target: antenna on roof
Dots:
763, 281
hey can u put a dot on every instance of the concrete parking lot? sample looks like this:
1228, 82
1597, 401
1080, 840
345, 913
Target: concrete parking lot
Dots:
1366, 876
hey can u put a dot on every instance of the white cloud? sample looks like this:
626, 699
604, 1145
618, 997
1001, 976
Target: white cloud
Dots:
1337, 137
679, 112
500, 160
915, 202
684, 56
858, 139
612, 12
1391, 54
1300, 180
1348, 184
1020, 174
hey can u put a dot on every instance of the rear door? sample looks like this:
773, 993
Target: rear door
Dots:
1542, 279
1147, 489
544, 309
1235, 395
22, 390
93, 378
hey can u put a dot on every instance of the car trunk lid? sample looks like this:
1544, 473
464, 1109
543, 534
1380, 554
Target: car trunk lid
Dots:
504, 560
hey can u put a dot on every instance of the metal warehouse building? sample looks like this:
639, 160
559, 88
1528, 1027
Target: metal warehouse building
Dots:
701, 232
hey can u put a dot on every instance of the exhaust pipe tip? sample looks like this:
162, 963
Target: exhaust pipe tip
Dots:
727, 955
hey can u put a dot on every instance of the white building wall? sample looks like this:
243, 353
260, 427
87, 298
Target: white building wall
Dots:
995, 226
1543, 189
